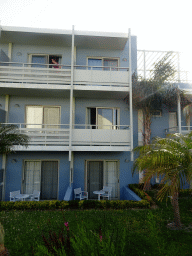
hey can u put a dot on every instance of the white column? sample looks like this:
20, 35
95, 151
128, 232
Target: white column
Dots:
71, 168
130, 96
4, 158
71, 96
179, 112
7, 108
10, 51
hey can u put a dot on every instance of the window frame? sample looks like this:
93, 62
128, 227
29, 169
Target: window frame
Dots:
38, 160
43, 106
105, 58
114, 126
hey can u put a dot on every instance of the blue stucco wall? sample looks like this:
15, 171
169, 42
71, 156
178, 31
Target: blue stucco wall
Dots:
17, 114
14, 170
125, 176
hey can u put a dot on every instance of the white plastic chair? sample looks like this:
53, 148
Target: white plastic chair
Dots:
13, 194
79, 194
35, 196
107, 191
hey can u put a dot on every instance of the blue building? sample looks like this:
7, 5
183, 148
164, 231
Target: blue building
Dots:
66, 90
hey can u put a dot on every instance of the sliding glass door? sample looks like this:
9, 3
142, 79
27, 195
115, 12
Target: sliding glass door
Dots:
102, 173
41, 176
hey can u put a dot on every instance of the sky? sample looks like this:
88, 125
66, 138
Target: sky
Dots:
159, 25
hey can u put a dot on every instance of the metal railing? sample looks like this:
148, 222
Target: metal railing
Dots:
82, 135
33, 73
184, 129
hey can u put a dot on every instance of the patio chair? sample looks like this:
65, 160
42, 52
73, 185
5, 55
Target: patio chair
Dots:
107, 191
79, 194
35, 196
13, 194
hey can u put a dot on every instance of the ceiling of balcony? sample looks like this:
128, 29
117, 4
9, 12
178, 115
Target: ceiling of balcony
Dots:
94, 40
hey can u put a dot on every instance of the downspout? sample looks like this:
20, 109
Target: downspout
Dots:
130, 96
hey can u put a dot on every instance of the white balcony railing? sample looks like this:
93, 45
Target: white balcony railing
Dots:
82, 135
184, 130
13, 72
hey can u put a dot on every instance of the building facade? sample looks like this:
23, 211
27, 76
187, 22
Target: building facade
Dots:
66, 90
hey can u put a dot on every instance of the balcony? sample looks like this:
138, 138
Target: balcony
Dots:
184, 130
41, 76
84, 137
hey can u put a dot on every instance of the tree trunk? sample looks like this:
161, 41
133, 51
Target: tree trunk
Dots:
147, 126
147, 136
175, 204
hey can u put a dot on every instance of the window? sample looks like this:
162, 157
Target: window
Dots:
44, 60
42, 116
103, 118
107, 63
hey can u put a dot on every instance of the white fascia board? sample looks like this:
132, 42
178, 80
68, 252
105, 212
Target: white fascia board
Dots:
37, 30
63, 32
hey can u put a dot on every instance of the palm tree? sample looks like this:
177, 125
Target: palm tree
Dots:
9, 137
171, 160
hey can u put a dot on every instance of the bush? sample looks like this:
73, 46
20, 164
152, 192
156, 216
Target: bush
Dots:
74, 204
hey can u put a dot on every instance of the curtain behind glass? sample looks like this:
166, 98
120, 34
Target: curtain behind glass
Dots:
32, 176
111, 177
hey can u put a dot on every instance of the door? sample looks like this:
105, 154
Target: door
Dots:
32, 176
41, 176
111, 178
172, 121
94, 177
49, 180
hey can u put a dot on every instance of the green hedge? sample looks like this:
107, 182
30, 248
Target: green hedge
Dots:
74, 204
138, 189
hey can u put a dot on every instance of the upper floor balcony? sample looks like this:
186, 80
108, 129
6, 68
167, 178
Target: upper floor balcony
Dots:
83, 137
45, 76
184, 130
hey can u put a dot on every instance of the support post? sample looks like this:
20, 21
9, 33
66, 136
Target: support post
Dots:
179, 112
4, 158
7, 108
10, 51
71, 95
130, 96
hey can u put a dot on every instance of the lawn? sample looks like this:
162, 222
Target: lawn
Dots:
101, 232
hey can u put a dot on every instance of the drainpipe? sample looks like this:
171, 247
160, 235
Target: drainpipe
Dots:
130, 96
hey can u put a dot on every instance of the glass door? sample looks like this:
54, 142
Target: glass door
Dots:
111, 177
94, 177
32, 177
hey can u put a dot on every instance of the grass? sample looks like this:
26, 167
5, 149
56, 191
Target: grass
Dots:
144, 233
